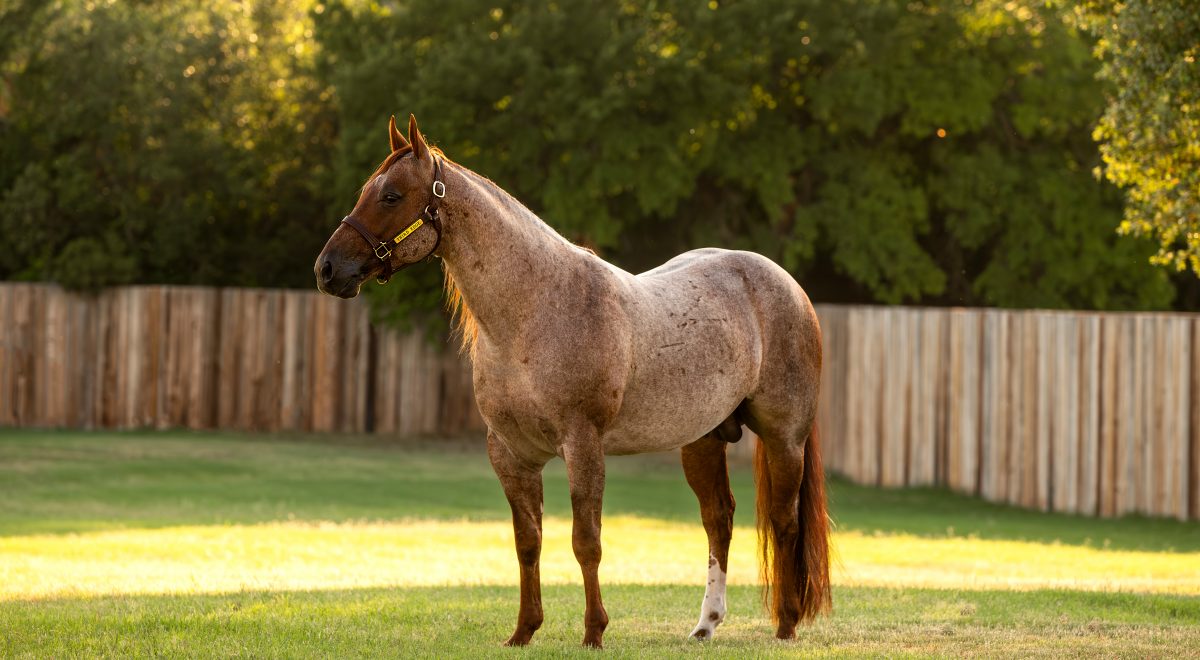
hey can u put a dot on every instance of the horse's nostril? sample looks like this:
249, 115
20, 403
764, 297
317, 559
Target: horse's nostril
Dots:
327, 271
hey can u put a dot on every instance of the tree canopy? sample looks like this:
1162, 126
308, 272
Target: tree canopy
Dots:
1150, 130
162, 142
933, 152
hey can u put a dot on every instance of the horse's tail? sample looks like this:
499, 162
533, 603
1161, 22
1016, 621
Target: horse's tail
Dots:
795, 559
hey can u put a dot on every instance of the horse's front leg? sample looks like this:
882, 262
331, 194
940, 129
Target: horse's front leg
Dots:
585, 472
522, 483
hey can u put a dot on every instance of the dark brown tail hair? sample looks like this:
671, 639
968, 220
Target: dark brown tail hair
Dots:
795, 578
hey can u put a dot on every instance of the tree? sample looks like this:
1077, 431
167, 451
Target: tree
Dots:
1150, 130
158, 142
881, 150
930, 151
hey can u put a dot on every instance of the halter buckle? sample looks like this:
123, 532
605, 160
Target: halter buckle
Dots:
386, 252
439, 189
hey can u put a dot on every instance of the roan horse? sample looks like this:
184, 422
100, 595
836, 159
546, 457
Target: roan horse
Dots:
574, 357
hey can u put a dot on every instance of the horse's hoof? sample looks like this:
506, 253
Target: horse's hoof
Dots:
518, 640
590, 642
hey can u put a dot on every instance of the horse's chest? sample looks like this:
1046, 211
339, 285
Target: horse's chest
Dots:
534, 405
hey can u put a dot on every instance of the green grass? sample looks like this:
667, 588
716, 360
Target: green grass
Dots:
221, 544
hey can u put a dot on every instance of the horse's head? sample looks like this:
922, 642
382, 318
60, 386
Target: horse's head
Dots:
395, 222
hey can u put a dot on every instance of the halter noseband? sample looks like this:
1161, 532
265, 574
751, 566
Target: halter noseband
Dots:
431, 215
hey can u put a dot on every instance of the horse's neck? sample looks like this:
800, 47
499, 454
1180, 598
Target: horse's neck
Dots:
500, 254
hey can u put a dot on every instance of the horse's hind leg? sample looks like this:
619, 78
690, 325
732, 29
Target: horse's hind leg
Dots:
522, 483
705, 468
792, 520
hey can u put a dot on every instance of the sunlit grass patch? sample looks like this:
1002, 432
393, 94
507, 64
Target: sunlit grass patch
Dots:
302, 555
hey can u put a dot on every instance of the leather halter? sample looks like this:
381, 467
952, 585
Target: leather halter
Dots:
383, 250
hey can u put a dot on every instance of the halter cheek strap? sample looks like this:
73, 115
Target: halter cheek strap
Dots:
430, 215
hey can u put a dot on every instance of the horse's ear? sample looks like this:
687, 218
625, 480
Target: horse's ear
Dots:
420, 149
394, 135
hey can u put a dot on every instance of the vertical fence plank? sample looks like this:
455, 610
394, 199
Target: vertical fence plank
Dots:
1046, 375
1111, 402
1089, 414
155, 351
1132, 447
854, 395
995, 410
1064, 436
965, 371
924, 398
87, 313
893, 418
1128, 429
26, 362
1022, 478
1152, 420
1194, 471
357, 369
290, 404
1177, 350
869, 376
56, 380
14, 355
206, 317
325, 365
7, 356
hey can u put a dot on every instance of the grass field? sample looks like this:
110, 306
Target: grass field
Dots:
217, 545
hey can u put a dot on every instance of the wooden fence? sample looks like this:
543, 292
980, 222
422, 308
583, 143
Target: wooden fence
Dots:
201, 358
1089, 413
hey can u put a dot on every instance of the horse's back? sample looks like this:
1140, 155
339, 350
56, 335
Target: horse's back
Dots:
745, 282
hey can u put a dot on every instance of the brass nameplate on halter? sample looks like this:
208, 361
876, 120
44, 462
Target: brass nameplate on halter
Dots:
411, 228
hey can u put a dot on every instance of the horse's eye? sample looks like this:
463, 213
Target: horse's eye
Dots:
391, 198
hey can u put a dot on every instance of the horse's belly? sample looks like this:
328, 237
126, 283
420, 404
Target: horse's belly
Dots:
673, 400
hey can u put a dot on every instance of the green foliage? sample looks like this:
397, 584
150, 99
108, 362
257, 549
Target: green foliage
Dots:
883, 150
934, 152
1150, 131
159, 141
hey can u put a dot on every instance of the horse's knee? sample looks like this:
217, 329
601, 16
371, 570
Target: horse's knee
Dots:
587, 551
528, 553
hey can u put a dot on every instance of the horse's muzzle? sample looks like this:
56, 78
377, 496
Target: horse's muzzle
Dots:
337, 278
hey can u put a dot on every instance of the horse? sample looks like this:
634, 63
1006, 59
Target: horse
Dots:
576, 358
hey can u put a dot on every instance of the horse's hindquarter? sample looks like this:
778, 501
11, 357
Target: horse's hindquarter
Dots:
696, 350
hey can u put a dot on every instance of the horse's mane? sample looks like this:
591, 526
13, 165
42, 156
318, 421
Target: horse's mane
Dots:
461, 319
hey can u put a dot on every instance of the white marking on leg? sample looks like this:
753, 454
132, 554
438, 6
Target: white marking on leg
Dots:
712, 609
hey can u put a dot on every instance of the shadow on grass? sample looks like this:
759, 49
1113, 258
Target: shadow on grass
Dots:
62, 482
645, 620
